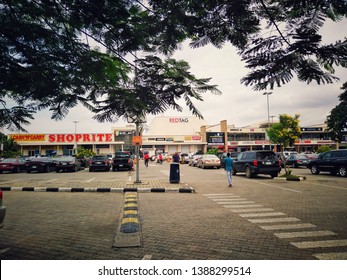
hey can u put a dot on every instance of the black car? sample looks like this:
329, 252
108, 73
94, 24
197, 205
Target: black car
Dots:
296, 160
40, 164
257, 162
122, 160
67, 163
99, 162
334, 162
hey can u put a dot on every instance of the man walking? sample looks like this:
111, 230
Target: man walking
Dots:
229, 167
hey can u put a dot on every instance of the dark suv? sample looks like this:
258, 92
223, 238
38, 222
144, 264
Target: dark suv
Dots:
334, 162
257, 162
99, 162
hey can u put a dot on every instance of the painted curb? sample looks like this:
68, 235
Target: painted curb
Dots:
78, 190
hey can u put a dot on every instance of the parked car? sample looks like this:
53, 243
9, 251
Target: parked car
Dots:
84, 161
296, 160
67, 163
2, 210
257, 162
193, 160
222, 157
334, 161
40, 164
184, 158
208, 161
99, 162
14, 165
122, 160
288, 153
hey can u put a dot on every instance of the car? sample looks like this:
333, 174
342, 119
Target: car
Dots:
334, 161
99, 162
14, 165
2, 210
84, 161
67, 163
257, 162
40, 164
288, 153
222, 157
208, 160
184, 158
296, 160
193, 160
122, 160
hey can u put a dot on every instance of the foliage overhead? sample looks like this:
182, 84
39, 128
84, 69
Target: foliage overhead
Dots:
337, 120
49, 59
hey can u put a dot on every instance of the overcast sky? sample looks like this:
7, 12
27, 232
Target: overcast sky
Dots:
238, 104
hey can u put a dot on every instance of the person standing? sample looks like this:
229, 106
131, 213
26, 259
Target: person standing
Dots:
228, 161
146, 158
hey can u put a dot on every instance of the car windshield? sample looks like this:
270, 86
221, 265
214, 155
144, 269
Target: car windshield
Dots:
9, 160
122, 155
64, 159
99, 158
45, 159
265, 155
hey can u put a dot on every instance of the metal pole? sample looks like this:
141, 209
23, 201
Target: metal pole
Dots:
75, 136
137, 151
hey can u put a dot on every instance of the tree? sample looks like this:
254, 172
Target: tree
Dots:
10, 148
337, 120
49, 59
285, 132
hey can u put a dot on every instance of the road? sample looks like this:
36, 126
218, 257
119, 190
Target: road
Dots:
258, 218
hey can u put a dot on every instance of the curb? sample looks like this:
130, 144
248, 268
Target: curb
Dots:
117, 190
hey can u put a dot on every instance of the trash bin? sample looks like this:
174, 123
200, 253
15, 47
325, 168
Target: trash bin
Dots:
174, 172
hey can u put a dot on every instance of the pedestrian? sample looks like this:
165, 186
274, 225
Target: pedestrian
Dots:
146, 158
228, 165
176, 157
160, 158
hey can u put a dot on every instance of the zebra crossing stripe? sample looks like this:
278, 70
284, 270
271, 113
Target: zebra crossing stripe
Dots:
262, 214
332, 256
235, 202
292, 226
228, 199
304, 234
320, 244
243, 206
251, 210
274, 220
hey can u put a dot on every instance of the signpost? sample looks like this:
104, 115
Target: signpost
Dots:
137, 140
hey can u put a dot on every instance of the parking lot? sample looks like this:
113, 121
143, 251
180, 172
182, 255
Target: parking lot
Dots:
77, 216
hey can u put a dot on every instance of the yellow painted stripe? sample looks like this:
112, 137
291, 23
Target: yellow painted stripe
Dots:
130, 220
130, 212
131, 204
129, 200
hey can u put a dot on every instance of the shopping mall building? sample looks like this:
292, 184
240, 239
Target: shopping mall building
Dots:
170, 135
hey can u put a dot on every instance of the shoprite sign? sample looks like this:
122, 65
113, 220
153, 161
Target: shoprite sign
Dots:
64, 138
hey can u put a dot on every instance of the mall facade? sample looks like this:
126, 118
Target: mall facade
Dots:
170, 135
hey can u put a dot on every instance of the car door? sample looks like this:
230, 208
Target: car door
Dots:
241, 162
325, 163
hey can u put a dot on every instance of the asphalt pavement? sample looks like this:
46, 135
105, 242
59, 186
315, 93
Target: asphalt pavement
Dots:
257, 219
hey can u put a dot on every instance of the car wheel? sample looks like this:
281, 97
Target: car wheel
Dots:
234, 171
248, 172
17, 170
314, 169
294, 165
273, 175
90, 169
342, 171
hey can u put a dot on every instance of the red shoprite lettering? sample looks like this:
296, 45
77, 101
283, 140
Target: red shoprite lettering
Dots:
100, 137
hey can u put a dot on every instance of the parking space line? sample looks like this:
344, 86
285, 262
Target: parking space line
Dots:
269, 185
91, 180
11, 181
51, 180
329, 186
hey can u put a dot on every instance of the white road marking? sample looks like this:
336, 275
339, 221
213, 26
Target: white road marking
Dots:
235, 202
297, 234
11, 181
51, 180
269, 185
274, 220
320, 244
90, 180
268, 214
332, 256
292, 226
243, 206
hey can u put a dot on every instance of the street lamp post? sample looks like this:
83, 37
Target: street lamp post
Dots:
268, 110
75, 148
